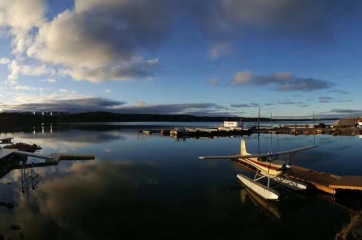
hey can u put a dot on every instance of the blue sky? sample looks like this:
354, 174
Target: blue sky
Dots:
208, 57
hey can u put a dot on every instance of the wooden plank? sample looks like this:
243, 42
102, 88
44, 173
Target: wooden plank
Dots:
6, 140
322, 181
5, 152
29, 154
348, 182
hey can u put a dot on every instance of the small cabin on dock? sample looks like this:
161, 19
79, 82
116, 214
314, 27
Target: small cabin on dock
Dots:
343, 123
231, 125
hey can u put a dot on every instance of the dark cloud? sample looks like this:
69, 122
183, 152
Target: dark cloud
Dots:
342, 113
304, 84
109, 39
307, 20
338, 91
69, 105
325, 99
188, 108
346, 111
269, 104
101, 104
280, 81
288, 102
137, 70
331, 99
244, 105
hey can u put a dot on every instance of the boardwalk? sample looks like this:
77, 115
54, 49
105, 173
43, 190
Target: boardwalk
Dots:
6, 152
326, 182
6, 140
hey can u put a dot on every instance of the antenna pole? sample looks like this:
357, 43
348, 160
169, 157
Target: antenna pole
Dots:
259, 131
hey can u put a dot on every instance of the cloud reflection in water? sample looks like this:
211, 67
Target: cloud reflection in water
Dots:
94, 201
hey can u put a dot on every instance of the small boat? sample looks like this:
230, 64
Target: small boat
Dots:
232, 126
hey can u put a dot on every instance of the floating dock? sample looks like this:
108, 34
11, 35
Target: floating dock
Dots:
322, 181
326, 182
216, 132
5, 140
196, 132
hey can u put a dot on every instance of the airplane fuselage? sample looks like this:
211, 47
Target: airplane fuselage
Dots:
267, 167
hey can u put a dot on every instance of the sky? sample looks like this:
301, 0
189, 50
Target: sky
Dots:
287, 58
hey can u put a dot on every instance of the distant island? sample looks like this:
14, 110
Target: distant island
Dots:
24, 118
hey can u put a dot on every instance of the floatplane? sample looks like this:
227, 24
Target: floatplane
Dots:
268, 166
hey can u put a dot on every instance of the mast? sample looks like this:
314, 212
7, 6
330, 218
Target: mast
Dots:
259, 131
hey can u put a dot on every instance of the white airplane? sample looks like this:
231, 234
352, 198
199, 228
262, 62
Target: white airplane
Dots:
267, 166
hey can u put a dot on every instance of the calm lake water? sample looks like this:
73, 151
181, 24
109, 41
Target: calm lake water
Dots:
155, 187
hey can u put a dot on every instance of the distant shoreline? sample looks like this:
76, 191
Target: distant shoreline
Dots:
30, 118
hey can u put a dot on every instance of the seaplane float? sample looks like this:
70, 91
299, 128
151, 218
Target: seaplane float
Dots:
268, 166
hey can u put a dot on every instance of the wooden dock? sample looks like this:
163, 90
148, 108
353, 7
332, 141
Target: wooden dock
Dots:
65, 156
196, 132
5, 140
326, 182
322, 181
214, 132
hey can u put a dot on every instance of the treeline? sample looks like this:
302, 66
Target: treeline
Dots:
13, 119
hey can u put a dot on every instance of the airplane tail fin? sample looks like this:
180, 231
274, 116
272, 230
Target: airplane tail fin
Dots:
243, 148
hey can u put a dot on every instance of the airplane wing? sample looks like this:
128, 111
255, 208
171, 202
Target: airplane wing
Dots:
257, 155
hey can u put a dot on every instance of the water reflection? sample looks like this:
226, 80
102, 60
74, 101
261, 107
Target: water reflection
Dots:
155, 187
92, 201
269, 208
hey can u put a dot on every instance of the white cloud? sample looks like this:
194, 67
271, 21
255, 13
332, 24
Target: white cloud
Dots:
4, 60
16, 69
63, 90
218, 49
25, 88
241, 78
18, 17
52, 80
100, 40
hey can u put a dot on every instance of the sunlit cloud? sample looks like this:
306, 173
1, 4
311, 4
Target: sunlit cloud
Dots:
19, 18
17, 69
52, 80
25, 88
105, 39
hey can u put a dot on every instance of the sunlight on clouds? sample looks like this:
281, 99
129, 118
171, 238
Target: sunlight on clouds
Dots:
4, 60
19, 17
102, 50
17, 69
52, 80
26, 88
242, 78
